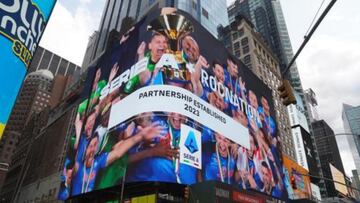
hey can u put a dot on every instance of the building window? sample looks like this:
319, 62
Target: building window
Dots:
237, 53
235, 35
236, 45
246, 49
194, 5
205, 13
244, 41
241, 32
247, 59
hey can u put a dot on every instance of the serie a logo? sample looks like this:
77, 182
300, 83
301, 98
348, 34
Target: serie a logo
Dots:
22, 22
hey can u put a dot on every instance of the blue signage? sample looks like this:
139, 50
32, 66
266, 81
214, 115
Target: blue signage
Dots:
190, 143
22, 23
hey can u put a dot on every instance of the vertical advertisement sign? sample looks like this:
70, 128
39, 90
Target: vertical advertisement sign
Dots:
22, 23
299, 147
168, 103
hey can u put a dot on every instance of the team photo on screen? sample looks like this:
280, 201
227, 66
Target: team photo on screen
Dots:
167, 102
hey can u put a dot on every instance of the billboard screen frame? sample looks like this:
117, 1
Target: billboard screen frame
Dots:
129, 93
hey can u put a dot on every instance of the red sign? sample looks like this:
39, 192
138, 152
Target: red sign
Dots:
246, 198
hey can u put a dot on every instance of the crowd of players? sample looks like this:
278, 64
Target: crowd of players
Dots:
146, 148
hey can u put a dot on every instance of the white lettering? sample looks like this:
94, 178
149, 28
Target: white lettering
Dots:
6, 19
20, 31
24, 9
33, 22
11, 9
204, 78
212, 82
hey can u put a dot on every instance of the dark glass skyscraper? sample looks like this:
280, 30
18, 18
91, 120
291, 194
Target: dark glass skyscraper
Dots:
329, 154
118, 13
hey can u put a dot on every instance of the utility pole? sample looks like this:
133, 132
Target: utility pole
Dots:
307, 37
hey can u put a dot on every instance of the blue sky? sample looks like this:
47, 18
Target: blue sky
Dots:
329, 64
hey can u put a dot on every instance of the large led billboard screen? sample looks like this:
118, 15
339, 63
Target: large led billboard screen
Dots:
167, 102
22, 23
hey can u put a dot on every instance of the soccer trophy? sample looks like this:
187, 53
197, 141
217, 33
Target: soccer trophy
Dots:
173, 66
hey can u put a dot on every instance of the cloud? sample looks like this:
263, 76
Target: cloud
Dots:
68, 30
330, 65
346, 155
229, 2
348, 163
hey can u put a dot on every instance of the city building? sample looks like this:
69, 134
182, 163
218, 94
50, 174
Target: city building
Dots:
268, 20
59, 85
351, 122
39, 155
329, 154
119, 14
47, 60
306, 154
311, 102
34, 97
45, 160
355, 183
247, 45
90, 49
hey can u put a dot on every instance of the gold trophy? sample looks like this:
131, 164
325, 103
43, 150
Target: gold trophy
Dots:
175, 27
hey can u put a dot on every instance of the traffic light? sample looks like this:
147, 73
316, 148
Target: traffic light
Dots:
293, 182
286, 93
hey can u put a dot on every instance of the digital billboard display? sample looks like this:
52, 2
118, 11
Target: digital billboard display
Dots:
167, 102
22, 23
300, 150
296, 180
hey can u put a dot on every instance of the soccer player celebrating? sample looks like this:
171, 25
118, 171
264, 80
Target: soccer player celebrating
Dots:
84, 172
158, 46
